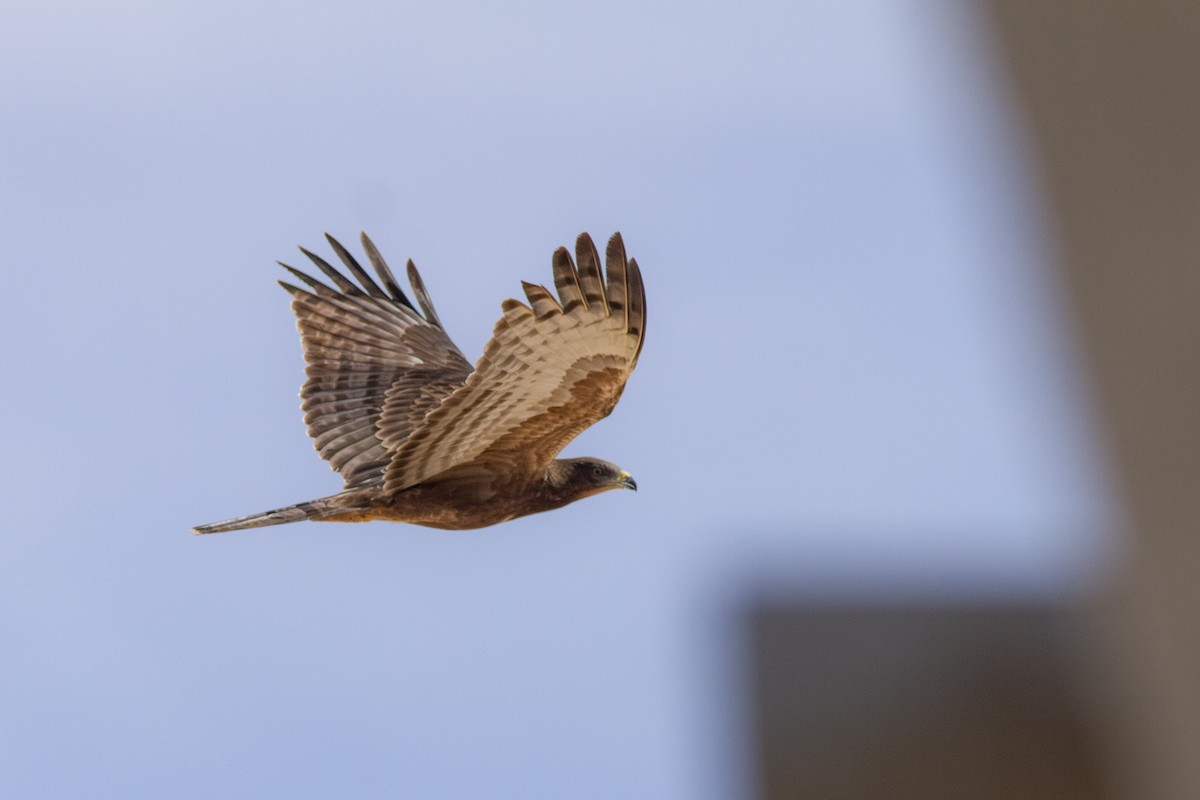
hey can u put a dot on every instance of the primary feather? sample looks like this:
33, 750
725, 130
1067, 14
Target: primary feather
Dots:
364, 346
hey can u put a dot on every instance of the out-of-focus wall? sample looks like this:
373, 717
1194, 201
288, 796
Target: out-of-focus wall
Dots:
1111, 96
923, 701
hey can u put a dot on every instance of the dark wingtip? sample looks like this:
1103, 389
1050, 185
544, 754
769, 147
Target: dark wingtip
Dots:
384, 272
318, 288
355, 269
423, 298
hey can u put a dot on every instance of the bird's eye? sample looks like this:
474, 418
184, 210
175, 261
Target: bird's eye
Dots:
597, 472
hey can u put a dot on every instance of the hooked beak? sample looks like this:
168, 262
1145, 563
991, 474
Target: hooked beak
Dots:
626, 480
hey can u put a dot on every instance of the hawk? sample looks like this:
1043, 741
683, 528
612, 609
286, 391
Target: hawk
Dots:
422, 437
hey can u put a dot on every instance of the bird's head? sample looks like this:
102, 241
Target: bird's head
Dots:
588, 476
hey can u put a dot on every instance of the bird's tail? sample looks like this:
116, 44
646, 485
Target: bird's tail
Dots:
313, 509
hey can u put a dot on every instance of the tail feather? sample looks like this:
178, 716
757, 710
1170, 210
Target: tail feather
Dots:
313, 509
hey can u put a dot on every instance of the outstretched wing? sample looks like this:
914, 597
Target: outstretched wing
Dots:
549, 371
372, 357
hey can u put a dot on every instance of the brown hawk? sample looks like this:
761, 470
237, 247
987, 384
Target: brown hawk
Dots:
418, 435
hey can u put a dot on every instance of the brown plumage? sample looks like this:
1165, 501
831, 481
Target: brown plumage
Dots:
418, 435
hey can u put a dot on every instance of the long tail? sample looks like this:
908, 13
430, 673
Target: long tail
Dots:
313, 509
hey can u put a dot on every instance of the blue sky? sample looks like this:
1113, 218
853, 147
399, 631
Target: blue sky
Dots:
858, 380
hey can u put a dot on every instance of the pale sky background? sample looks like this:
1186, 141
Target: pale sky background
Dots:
858, 380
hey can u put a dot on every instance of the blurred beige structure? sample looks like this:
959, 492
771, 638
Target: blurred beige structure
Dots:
923, 702
1054, 703
1111, 95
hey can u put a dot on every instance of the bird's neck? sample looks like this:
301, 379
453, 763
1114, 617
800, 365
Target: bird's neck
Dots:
558, 475
557, 487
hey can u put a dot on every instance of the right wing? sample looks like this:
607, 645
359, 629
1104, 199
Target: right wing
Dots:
551, 369
376, 366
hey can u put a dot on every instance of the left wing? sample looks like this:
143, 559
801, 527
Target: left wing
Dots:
548, 372
376, 365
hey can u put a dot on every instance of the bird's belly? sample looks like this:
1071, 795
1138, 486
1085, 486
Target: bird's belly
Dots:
450, 505
448, 511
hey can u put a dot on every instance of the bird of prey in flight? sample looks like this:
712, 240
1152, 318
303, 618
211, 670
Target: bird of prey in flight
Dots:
422, 437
